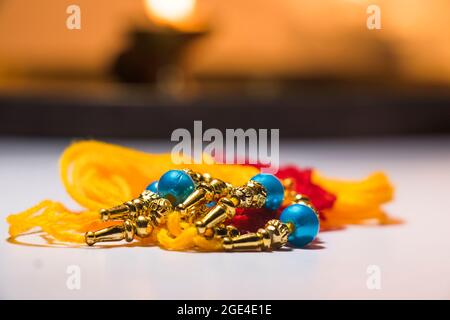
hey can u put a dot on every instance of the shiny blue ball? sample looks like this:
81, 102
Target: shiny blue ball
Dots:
274, 188
211, 204
176, 186
153, 187
305, 221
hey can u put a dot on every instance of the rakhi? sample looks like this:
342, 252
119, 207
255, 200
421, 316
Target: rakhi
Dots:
212, 212
191, 194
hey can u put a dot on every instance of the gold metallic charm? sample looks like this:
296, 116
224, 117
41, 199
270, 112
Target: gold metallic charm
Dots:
274, 235
113, 233
208, 189
146, 202
250, 195
140, 216
222, 231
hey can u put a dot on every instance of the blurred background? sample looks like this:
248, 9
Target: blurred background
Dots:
142, 68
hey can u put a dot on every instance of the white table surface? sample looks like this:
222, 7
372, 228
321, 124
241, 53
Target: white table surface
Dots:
414, 258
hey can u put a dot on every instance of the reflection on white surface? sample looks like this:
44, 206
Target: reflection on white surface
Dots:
414, 258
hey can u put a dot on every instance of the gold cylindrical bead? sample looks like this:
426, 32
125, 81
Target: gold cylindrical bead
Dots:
274, 235
248, 242
208, 190
224, 209
193, 202
120, 212
143, 226
114, 233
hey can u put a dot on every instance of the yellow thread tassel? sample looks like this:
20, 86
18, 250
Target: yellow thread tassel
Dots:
357, 202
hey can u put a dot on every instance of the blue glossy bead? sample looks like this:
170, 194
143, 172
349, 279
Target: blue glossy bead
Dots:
176, 186
274, 188
305, 221
211, 204
153, 187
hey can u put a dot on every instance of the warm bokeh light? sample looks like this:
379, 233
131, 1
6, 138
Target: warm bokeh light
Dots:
251, 38
170, 11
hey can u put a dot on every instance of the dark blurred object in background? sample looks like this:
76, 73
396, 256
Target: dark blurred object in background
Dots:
151, 53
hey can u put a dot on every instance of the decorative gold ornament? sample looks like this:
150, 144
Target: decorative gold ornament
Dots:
273, 236
140, 216
208, 189
250, 195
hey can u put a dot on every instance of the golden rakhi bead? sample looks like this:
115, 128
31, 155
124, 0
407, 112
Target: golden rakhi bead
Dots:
223, 210
143, 226
140, 216
223, 231
247, 242
206, 192
146, 201
114, 233
273, 236
279, 233
250, 195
